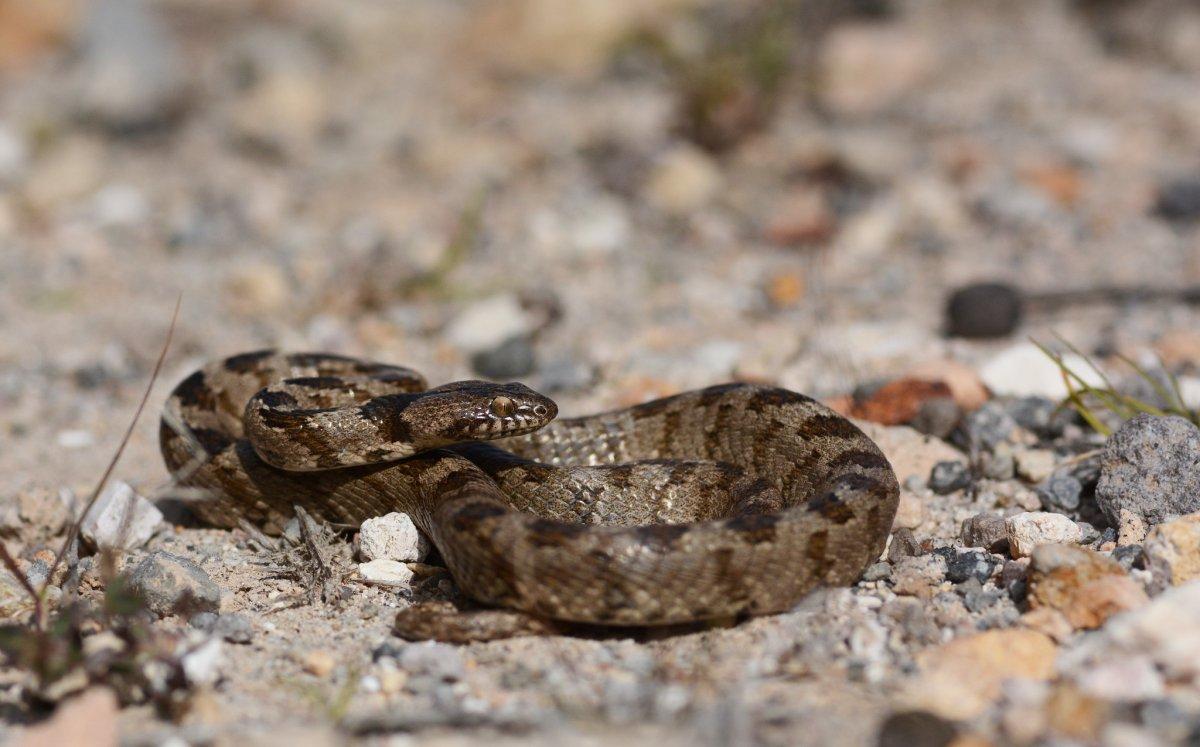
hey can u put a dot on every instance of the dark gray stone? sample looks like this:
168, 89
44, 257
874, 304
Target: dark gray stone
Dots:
1060, 492
1179, 200
510, 359
234, 628
916, 729
983, 310
947, 477
1151, 468
988, 426
1130, 556
1039, 415
985, 530
171, 585
877, 572
938, 416
976, 564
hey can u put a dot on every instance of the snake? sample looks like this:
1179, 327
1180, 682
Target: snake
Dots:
720, 503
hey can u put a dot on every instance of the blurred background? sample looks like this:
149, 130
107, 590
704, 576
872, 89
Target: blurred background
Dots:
608, 199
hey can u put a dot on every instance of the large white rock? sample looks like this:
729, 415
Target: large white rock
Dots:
1023, 370
120, 519
392, 537
1028, 530
385, 573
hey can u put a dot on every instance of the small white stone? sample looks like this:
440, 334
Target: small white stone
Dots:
14, 156
201, 665
75, 439
392, 537
1023, 370
385, 573
120, 519
684, 180
1035, 465
488, 322
1028, 530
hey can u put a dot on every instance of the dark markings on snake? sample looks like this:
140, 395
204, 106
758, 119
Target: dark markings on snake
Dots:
195, 392
829, 426
831, 507
660, 538
246, 362
754, 528
277, 398
547, 533
387, 414
858, 458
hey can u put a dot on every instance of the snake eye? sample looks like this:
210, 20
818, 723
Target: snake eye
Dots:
502, 407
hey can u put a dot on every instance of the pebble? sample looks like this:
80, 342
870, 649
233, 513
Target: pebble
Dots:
988, 426
985, 530
170, 585
257, 287
392, 536
877, 572
937, 417
1126, 679
201, 661
1172, 550
947, 477
1034, 465
1061, 492
983, 311
131, 76
803, 216
488, 322
511, 359
120, 519
1040, 415
911, 511
234, 628
14, 156
865, 68
565, 375
999, 464
968, 564
902, 544
962, 678
918, 576
1028, 530
385, 572
1129, 556
1148, 471
916, 728
1023, 370
1084, 586
319, 663
439, 662
684, 180
1179, 200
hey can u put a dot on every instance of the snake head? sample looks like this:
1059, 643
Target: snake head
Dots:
479, 411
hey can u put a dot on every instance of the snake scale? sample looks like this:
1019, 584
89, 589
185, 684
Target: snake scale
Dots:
731, 500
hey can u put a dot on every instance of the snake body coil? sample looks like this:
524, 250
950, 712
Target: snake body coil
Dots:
709, 504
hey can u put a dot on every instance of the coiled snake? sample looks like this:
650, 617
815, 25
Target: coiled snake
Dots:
735, 499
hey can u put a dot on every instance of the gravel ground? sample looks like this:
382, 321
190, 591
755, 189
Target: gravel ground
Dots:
612, 204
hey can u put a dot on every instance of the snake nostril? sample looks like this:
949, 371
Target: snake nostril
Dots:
540, 410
